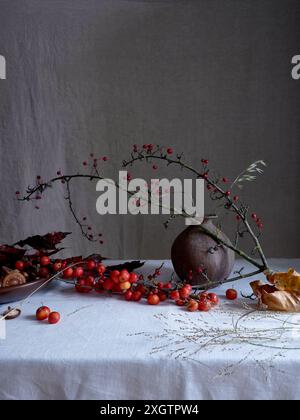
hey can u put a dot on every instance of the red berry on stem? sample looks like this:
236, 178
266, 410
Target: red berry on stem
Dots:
204, 305
78, 272
124, 276
125, 285
213, 298
128, 295
205, 161
43, 313
254, 216
108, 284
170, 151
192, 306
162, 296
45, 261
54, 318
174, 295
228, 193
91, 265
57, 266
231, 294
81, 286
44, 272
68, 273
114, 276
101, 269
184, 292
133, 278
20, 265
180, 302
153, 299
136, 296
90, 281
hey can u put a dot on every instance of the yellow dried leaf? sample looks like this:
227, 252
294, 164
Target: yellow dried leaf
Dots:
289, 281
276, 300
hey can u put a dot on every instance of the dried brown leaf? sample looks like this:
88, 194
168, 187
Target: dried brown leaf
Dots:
276, 300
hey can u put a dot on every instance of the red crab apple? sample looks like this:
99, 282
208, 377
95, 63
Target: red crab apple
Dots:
82, 287
124, 276
136, 296
44, 272
174, 295
57, 267
19, 265
68, 273
133, 278
126, 285
192, 305
153, 299
78, 272
54, 318
128, 295
43, 313
231, 294
213, 298
101, 269
91, 265
114, 276
45, 261
204, 305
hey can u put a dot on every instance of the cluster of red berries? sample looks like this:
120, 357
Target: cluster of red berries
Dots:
149, 148
44, 313
203, 302
116, 281
95, 161
258, 221
92, 276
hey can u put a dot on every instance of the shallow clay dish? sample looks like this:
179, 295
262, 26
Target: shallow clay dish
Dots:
17, 293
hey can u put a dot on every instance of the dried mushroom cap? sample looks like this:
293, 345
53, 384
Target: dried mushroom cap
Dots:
11, 313
13, 278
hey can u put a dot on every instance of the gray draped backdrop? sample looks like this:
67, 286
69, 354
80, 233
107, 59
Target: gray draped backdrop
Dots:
209, 77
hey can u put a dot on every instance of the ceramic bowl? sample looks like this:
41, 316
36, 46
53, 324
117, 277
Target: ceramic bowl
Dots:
17, 293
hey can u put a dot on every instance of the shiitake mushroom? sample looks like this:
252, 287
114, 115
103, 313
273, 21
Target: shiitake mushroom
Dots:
11, 313
12, 278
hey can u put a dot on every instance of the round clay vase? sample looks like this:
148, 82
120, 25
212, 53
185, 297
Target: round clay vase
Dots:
194, 250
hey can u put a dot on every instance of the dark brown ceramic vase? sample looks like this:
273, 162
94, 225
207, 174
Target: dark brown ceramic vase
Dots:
194, 249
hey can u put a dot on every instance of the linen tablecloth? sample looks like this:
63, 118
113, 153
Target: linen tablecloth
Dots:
106, 348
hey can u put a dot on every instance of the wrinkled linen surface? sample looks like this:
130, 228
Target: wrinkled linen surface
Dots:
106, 348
